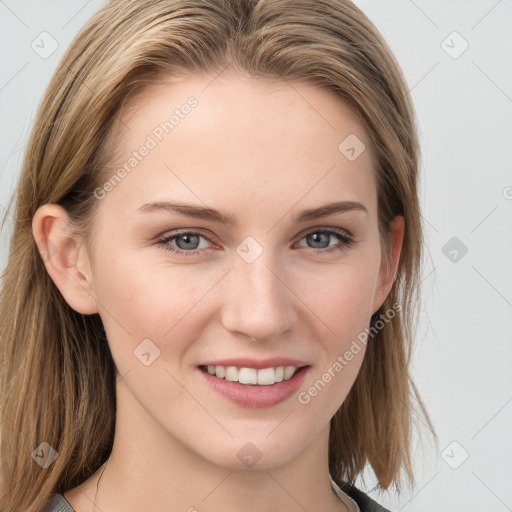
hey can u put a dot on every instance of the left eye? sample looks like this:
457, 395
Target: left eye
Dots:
187, 241
188, 237
345, 239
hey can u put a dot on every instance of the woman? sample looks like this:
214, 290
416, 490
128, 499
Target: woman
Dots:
263, 366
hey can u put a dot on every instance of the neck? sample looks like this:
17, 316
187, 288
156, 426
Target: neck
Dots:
149, 468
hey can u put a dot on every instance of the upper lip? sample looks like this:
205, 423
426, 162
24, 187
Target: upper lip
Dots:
248, 362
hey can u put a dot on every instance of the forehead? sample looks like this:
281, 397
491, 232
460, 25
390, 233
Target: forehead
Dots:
213, 135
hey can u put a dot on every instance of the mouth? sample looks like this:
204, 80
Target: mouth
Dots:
253, 376
251, 387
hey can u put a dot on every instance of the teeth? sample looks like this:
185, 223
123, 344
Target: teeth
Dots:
263, 377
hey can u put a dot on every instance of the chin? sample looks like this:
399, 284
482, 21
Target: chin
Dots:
258, 453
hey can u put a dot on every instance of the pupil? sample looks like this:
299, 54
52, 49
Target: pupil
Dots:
186, 238
315, 236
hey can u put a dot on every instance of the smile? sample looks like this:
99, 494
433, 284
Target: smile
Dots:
252, 376
269, 393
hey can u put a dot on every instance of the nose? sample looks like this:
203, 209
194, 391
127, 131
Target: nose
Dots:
257, 298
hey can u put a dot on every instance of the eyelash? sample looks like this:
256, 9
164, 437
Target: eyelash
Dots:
343, 236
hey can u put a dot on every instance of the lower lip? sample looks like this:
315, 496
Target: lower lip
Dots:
256, 396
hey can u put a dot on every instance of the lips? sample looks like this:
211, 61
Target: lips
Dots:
255, 396
258, 364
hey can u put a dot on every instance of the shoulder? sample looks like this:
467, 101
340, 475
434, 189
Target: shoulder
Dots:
58, 504
365, 503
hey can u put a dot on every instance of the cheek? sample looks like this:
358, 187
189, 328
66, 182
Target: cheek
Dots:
148, 315
145, 295
340, 304
341, 297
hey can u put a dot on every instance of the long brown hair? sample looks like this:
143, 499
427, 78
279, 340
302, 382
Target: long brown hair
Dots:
57, 374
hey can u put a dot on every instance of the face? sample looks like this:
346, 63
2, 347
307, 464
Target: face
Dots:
176, 290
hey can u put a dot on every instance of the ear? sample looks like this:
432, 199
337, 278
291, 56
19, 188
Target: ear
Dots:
387, 272
65, 257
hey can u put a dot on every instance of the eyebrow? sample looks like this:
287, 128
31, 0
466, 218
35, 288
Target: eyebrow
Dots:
204, 213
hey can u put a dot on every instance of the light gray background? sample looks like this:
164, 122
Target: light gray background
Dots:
462, 362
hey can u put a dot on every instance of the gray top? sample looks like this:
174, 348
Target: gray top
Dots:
58, 504
355, 500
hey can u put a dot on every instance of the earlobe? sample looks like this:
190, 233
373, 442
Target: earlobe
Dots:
387, 273
65, 257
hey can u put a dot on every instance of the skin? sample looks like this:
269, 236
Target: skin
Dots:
263, 151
